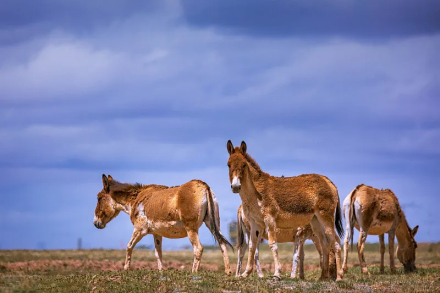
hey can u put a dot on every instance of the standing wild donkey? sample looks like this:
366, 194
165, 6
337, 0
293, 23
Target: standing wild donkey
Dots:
298, 236
171, 212
376, 212
285, 203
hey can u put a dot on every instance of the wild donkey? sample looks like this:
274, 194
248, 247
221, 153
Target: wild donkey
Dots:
298, 236
376, 212
171, 212
285, 203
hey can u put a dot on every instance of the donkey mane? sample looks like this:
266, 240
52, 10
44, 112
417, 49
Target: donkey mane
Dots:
253, 163
129, 189
403, 217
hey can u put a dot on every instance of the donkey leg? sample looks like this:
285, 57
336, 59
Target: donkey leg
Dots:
301, 259
382, 252
257, 261
391, 250
222, 246
241, 252
360, 247
272, 237
255, 235
135, 238
346, 245
318, 230
193, 236
336, 259
158, 250
327, 223
296, 257
317, 244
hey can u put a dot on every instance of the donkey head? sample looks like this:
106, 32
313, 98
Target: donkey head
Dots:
407, 253
106, 208
237, 164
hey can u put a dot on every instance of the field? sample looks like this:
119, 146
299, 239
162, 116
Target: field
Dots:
101, 271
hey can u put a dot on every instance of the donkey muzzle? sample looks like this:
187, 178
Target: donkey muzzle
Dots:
98, 224
236, 185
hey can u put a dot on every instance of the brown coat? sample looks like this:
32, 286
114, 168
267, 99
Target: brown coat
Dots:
375, 211
171, 212
273, 203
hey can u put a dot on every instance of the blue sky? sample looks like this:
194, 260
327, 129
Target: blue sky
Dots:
151, 93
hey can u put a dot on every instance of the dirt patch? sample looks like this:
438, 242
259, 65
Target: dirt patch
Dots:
108, 265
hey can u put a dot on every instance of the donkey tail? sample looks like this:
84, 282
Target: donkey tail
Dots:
352, 216
240, 227
338, 220
212, 211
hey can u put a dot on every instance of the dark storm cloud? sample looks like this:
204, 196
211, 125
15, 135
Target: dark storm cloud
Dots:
21, 19
300, 18
80, 14
143, 96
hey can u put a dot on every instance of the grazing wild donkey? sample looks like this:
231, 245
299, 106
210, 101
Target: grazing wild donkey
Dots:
285, 203
376, 212
298, 236
171, 212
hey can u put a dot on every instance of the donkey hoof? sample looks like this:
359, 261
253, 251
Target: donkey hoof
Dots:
276, 278
228, 272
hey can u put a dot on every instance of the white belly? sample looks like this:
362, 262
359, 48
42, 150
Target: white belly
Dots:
172, 229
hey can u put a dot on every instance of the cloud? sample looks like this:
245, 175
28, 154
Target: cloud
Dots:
147, 97
22, 19
311, 19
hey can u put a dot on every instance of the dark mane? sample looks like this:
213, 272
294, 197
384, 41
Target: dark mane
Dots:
402, 216
253, 163
128, 189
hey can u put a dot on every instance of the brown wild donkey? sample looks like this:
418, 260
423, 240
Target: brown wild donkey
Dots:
171, 212
273, 203
376, 212
298, 236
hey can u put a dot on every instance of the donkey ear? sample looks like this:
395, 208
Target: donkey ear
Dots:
110, 177
243, 147
230, 147
105, 183
414, 231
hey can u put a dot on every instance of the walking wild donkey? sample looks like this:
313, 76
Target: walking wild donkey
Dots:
376, 212
273, 203
171, 212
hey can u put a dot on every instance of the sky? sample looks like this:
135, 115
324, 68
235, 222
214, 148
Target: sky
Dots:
151, 91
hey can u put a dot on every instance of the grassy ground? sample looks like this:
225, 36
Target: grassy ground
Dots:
101, 271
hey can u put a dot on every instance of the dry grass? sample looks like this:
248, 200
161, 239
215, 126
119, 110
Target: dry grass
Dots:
101, 271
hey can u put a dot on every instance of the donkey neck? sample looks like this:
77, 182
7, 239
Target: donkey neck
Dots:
126, 208
256, 173
125, 199
248, 193
403, 231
